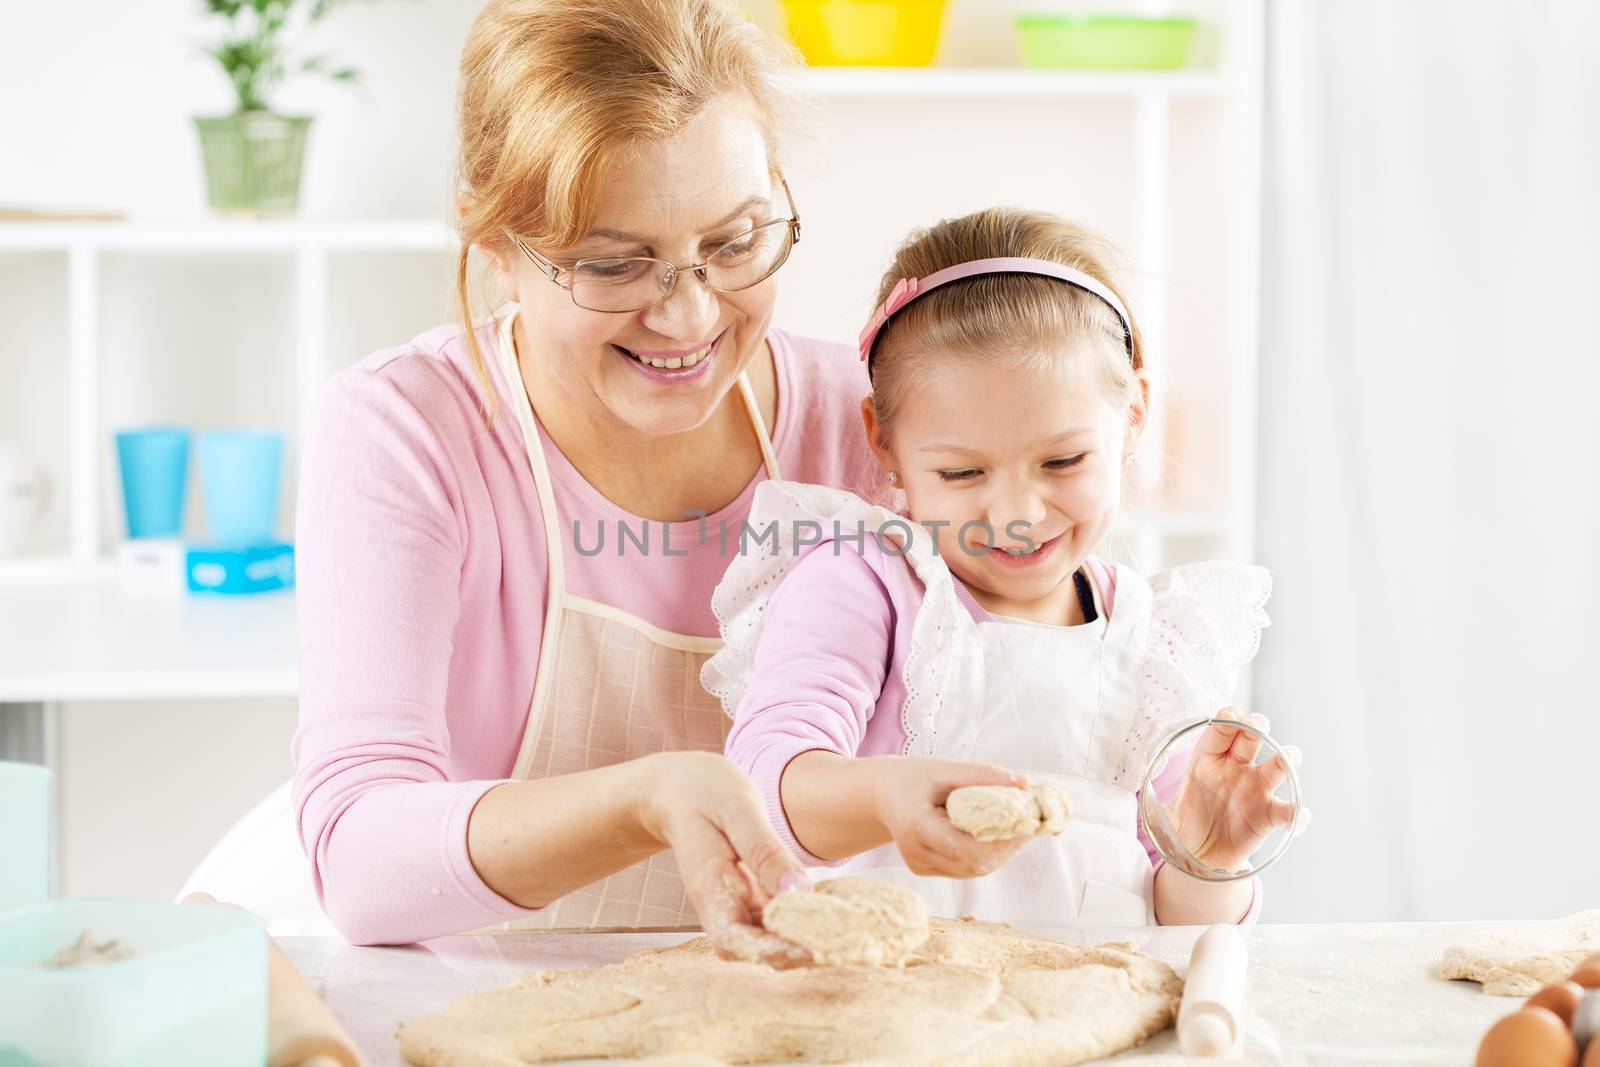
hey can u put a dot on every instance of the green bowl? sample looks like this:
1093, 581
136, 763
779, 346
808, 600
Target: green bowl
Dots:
1103, 42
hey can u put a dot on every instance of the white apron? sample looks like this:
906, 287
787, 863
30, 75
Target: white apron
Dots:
1051, 702
1075, 706
610, 687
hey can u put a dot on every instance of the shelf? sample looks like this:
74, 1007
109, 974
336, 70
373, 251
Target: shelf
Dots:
957, 83
84, 639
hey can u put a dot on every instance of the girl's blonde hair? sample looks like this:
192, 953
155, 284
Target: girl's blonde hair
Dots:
1018, 321
554, 92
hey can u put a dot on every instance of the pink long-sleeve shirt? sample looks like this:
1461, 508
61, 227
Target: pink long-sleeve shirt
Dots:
829, 673
422, 586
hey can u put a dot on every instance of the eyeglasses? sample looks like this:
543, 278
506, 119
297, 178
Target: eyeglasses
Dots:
632, 283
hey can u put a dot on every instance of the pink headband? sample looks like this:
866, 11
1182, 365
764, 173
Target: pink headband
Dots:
908, 289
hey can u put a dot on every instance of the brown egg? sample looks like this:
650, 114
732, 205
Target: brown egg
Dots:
1592, 961
1532, 1037
1561, 998
1591, 1055
1587, 975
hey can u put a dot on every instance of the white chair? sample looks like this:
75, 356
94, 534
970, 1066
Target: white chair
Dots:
260, 866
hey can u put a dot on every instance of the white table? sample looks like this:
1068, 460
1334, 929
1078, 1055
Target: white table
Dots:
1321, 996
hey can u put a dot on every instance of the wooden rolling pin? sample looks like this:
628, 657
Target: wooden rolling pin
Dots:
301, 1031
1211, 1014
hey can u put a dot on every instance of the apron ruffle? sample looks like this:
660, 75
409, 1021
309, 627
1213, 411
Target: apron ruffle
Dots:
1205, 625
740, 600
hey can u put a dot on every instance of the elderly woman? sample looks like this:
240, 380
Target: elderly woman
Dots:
510, 529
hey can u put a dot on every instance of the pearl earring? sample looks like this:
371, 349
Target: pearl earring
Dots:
894, 478
1132, 457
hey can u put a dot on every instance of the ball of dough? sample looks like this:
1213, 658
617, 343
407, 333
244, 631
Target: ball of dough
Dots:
1007, 813
851, 922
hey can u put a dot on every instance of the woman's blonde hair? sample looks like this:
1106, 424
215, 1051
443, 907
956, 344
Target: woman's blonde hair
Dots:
553, 92
1018, 321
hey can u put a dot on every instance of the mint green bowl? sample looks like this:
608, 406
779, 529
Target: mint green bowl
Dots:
194, 996
1103, 42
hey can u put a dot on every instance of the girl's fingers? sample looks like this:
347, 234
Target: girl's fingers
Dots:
955, 775
1216, 739
1247, 744
1281, 813
1273, 772
1301, 821
938, 841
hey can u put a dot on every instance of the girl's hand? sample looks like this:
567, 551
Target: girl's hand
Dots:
908, 798
1225, 809
710, 814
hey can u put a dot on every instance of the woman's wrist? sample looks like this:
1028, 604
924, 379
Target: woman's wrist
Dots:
533, 841
647, 785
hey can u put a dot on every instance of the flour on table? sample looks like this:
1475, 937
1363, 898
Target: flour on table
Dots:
974, 994
1519, 961
1006, 813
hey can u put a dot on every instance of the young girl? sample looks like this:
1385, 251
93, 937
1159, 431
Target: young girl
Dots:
876, 660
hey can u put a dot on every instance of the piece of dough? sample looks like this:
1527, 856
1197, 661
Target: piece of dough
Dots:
851, 921
1519, 961
974, 994
87, 952
1006, 813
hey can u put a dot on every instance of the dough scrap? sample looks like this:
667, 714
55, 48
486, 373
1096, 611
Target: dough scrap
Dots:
1006, 813
1519, 961
975, 994
87, 952
851, 921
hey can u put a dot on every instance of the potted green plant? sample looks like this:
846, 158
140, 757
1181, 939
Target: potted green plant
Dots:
253, 156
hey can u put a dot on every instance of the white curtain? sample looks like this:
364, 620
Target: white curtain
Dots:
1429, 456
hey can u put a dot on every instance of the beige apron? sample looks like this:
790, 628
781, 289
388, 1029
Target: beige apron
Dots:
611, 687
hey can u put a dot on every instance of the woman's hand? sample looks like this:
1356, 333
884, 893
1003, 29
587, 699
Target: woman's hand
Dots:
710, 814
1225, 806
908, 797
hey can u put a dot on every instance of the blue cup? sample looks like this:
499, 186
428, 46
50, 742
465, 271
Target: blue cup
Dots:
239, 476
155, 465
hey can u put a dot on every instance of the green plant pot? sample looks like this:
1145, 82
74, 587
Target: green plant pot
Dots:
253, 161
1103, 42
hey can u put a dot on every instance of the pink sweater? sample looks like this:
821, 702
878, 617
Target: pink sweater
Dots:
829, 668
422, 579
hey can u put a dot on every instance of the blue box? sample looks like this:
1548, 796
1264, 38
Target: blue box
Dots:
239, 569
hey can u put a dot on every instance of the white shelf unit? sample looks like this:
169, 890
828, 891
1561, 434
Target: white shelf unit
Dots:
961, 83
108, 272
317, 271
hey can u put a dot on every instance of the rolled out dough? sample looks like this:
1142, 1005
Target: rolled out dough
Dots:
1006, 813
851, 921
974, 994
1519, 961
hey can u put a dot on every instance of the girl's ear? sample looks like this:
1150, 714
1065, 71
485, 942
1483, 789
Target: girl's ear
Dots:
869, 422
1138, 410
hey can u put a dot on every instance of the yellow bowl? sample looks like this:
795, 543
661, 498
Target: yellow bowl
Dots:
866, 33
